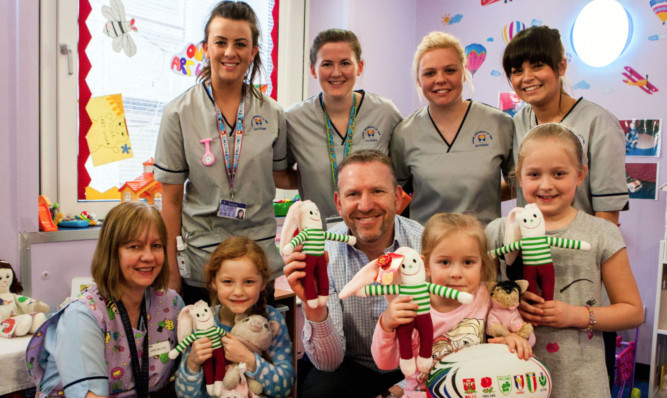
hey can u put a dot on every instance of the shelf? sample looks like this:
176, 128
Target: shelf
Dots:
662, 332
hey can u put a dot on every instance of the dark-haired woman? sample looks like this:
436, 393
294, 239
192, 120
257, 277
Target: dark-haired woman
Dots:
535, 64
222, 142
325, 128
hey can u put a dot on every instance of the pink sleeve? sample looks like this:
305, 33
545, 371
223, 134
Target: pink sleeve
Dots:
384, 348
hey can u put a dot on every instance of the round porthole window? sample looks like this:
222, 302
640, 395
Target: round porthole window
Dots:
601, 32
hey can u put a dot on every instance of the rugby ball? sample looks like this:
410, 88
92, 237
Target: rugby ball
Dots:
488, 371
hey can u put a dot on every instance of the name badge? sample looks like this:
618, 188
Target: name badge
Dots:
233, 210
160, 348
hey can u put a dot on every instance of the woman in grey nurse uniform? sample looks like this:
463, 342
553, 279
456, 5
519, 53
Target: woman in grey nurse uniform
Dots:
325, 128
454, 150
219, 147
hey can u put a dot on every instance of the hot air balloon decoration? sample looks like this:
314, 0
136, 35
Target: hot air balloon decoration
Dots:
475, 56
659, 8
512, 29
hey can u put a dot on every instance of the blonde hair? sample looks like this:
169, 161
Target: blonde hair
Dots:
125, 223
437, 40
558, 132
442, 225
231, 249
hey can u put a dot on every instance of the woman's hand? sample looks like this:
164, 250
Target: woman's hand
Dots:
201, 351
400, 311
237, 352
530, 308
516, 344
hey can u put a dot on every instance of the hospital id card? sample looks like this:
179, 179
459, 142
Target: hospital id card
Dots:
234, 210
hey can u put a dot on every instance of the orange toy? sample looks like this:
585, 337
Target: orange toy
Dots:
45, 221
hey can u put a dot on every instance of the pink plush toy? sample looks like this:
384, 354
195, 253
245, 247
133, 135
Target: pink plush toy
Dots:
306, 217
19, 315
412, 283
504, 317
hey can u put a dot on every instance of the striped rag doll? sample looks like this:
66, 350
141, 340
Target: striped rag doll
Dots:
527, 225
197, 321
306, 217
413, 283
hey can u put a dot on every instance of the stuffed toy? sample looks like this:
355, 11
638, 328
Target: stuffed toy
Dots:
240, 380
412, 283
306, 217
528, 225
194, 322
504, 317
19, 315
256, 333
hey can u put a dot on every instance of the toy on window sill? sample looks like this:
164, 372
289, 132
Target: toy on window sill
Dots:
45, 216
412, 283
19, 315
305, 217
504, 317
196, 321
256, 333
526, 231
83, 220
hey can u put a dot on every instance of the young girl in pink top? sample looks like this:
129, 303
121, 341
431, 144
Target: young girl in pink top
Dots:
455, 255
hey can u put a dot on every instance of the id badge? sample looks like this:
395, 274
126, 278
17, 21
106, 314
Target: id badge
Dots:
160, 348
234, 210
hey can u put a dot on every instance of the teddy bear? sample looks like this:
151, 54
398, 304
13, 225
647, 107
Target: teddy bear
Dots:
19, 315
504, 317
305, 216
256, 333
196, 321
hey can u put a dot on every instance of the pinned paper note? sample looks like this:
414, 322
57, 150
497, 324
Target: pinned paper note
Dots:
108, 139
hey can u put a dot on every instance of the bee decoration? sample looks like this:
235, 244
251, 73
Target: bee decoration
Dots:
118, 28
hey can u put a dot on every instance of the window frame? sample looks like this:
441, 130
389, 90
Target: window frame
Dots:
59, 93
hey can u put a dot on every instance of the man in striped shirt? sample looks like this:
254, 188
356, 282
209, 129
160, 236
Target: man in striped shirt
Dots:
337, 338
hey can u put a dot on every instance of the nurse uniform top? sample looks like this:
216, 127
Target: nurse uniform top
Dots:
308, 144
604, 188
462, 176
179, 158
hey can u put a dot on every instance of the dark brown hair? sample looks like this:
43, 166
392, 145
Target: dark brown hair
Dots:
16, 287
334, 36
231, 249
125, 223
236, 11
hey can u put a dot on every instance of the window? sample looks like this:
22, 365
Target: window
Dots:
108, 68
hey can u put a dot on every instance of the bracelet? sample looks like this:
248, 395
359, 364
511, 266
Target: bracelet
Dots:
591, 321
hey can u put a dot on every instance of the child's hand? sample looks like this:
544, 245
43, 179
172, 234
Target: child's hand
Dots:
529, 308
400, 311
558, 314
237, 352
516, 344
201, 351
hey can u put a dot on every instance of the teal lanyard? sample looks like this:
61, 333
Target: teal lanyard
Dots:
232, 167
348, 136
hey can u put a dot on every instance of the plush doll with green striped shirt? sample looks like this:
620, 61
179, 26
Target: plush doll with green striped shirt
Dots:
526, 231
412, 283
306, 217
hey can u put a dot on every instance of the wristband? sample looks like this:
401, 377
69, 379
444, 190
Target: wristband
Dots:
591, 321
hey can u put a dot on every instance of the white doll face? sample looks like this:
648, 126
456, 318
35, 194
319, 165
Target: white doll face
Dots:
412, 267
531, 220
310, 216
6, 279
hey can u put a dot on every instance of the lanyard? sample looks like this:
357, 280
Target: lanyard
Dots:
230, 168
140, 372
348, 136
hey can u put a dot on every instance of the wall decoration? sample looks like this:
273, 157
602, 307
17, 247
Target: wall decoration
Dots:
511, 29
487, 2
510, 103
475, 56
495, 73
108, 139
662, 36
659, 8
118, 28
490, 39
641, 179
642, 137
582, 85
633, 78
535, 22
189, 61
601, 32
448, 19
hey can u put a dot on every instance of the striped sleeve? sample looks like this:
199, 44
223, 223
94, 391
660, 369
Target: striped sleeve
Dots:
443, 291
297, 240
337, 237
381, 290
564, 243
508, 248
186, 342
